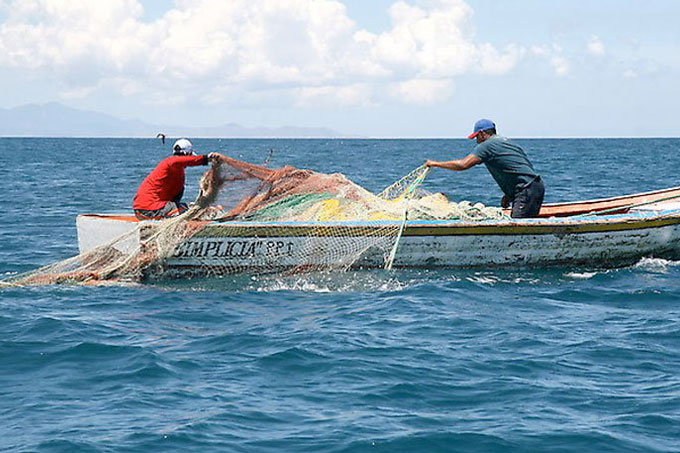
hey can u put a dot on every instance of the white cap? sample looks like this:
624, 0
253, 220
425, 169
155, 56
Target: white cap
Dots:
183, 147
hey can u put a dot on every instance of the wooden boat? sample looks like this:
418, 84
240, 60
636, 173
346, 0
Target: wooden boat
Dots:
603, 233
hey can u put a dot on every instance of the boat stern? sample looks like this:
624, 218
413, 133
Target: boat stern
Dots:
94, 230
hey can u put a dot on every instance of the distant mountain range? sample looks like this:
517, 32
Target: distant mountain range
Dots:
57, 120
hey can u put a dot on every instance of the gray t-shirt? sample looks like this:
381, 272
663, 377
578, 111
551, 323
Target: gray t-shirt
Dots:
507, 163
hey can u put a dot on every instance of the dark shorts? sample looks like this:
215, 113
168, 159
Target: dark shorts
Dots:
528, 201
171, 209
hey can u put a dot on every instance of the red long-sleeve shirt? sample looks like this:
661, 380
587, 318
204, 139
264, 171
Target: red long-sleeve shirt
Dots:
165, 183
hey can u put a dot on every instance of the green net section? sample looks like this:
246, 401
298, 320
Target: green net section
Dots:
289, 207
252, 219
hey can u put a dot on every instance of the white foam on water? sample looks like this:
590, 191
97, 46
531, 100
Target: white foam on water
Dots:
324, 283
581, 275
484, 280
502, 279
297, 285
315, 282
658, 265
338, 282
527, 280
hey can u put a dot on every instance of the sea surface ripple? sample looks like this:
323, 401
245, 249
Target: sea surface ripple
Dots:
550, 360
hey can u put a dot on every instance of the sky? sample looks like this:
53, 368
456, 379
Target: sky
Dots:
375, 68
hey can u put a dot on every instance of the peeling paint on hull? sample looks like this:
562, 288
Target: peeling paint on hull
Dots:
597, 241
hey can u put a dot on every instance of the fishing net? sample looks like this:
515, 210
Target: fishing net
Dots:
252, 219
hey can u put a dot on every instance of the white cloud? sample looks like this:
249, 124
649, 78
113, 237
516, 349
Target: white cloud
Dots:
422, 91
215, 50
539, 51
560, 65
432, 41
555, 57
491, 61
595, 46
77, 93
348, 95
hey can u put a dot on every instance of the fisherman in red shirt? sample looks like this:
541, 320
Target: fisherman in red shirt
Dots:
160, 194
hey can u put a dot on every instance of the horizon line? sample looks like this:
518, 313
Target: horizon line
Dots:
353, 137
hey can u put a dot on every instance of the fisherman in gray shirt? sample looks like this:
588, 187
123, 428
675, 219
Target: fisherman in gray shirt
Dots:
508, 164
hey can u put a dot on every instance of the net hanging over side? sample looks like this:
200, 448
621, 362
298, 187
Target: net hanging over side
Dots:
243, 214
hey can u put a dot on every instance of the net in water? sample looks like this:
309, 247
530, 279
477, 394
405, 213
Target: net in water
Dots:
250, 218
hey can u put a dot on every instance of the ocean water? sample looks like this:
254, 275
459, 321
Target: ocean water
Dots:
550, 360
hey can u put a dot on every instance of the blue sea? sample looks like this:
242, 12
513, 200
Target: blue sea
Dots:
485, 360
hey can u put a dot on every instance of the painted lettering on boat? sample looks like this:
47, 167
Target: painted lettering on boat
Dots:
233, 249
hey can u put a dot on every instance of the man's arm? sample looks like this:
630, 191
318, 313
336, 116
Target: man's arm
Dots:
193, 161
188, 161
456, 165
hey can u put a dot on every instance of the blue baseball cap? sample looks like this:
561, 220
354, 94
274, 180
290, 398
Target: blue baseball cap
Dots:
482, 125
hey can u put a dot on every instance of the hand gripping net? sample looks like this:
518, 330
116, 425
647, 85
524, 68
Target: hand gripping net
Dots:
252, 219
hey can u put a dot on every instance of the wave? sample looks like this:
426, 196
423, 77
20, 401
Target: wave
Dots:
656, 265
353, 281
581, 275
342, 285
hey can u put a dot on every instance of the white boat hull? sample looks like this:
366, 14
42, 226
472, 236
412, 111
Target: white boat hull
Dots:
241, 247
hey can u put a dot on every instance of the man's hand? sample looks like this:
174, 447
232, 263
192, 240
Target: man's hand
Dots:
214, 156
505, 202
431, 163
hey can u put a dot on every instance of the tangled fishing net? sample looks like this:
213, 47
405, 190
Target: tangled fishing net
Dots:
249, 218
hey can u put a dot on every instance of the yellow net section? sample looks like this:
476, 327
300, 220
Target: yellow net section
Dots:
249, 218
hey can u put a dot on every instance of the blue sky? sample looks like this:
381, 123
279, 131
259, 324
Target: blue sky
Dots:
387, 68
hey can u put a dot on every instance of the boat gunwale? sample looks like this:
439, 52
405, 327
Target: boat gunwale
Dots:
617, 198
619, 204
626, 222
553, 225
